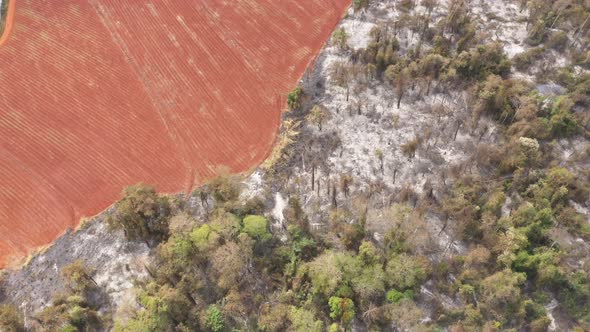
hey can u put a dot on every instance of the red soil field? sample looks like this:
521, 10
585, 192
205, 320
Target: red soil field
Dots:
96, 95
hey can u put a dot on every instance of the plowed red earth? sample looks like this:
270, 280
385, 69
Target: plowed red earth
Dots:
99, 94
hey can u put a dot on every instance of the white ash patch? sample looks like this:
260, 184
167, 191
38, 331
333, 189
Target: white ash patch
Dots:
116, 262
507, 207
581, 210
573, 154
253, 186
443, 238
358, 32
277, 214
524, 77
505, 22
550, 307
277, 211
382, 127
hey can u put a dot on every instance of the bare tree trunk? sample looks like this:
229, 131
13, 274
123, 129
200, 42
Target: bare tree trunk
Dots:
312, 177
149, 271
318, 188
557, 17
457, 131
303, 161
579, 30
347, 92
334, 193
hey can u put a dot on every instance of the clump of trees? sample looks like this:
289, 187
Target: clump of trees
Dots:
77, 308
142, 214
481, 61
209, 276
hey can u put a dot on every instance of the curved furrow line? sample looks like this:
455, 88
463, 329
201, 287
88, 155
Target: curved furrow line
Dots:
102, 93
120, 42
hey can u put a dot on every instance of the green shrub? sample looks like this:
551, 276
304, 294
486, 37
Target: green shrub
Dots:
562, 121
395, 296
256, 227
404, 271
341, 309
214, 321
294, 99
204, 237
304, 320
69, 328
340, 38
575, 296
481, 61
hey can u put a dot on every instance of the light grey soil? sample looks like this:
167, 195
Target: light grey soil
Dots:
116, 262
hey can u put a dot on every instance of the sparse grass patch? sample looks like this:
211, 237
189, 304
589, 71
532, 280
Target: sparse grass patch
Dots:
288, 135
409, 148
525, 59
557, 41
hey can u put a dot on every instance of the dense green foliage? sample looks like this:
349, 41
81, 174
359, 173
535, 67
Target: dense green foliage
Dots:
206, 278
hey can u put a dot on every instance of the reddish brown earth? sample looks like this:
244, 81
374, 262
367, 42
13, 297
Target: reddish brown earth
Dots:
99, 94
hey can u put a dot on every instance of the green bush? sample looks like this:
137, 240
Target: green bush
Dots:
294, 99
69, 328
214, 321
341, 309
204, 237
304, 320
404, 271
481, 61
256, 227
340, 38
395, 296
562, 121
